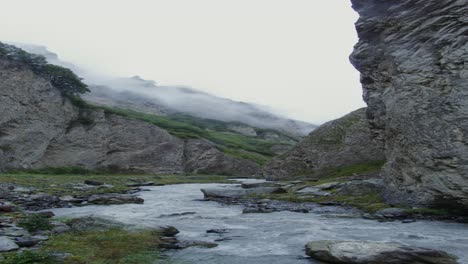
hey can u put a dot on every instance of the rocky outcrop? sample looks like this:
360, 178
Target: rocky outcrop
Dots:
203, 157
371, 252
413, 59
41, 128
112, 142
342, 142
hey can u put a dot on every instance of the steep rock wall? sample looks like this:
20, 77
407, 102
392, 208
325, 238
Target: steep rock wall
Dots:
413, 59
40, 128
338, 143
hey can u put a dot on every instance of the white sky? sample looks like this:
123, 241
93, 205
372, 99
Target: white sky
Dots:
291, 55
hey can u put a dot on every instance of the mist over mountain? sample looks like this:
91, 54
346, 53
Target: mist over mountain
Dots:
138, 94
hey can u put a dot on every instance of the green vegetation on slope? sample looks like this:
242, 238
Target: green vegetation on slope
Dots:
360, 168
183, 126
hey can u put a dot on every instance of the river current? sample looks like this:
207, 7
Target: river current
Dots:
275, 238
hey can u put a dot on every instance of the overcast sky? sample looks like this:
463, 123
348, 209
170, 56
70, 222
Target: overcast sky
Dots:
291, 55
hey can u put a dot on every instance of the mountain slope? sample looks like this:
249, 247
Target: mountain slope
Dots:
334, 145
146, 96
40, 127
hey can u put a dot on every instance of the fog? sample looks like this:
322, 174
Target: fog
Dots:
291, 55
139, 94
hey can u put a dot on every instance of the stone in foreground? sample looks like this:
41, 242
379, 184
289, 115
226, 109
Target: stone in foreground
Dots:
6, 244
370, 252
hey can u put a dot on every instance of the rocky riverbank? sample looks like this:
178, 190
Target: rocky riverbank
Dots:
355, 196
28, 236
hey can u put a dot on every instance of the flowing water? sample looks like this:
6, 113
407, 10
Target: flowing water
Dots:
276, 238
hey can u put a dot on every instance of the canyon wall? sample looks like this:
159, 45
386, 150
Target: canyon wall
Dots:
413, 59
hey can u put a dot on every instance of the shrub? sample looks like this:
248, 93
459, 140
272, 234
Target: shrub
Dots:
35, 222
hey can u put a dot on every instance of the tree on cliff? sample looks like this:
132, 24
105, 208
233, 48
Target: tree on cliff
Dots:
61, 78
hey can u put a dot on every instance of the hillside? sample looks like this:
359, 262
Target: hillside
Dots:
137, 94
45, 124
344, 144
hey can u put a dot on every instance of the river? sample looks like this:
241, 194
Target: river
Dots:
275, 238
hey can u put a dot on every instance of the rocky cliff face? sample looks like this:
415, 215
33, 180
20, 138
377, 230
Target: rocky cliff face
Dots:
40, 128
339, 143
413, 59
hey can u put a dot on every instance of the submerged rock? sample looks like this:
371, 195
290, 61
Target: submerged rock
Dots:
371, 252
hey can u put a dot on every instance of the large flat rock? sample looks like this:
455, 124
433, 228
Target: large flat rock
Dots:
370, 252
6, 244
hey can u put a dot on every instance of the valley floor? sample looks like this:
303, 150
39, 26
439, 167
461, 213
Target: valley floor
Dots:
103, 218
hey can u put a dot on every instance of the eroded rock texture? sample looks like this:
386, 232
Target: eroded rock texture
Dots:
39, 128
413, 59
338, 143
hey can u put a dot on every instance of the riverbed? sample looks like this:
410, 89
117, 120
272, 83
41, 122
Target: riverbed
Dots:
274, 238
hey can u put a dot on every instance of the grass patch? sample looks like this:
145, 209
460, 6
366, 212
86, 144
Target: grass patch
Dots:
112, 246
369, 203
62, 184
95, 247
330, 173
361, 168
28, 257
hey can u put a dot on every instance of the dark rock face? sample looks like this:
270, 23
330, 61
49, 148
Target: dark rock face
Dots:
40, 128
413, 56
342, 142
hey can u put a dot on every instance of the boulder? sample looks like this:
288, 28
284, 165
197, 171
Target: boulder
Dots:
94, 183
168, 231
313, 191
93, 224
6, 244
139, 184
236, 193
26, 241
371, 252
259, 184
113, 198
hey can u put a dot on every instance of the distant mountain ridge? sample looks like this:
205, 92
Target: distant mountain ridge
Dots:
138, 94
